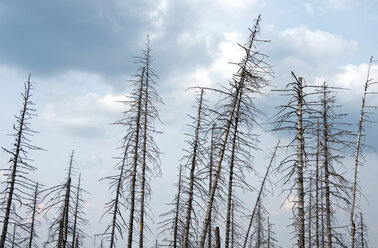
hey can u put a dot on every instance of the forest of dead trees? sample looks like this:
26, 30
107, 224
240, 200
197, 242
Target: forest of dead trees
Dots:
207, 209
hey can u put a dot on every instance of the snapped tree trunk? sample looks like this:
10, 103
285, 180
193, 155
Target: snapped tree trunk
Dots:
34, 211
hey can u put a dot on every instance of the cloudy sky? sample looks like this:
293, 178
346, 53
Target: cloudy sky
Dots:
81, 54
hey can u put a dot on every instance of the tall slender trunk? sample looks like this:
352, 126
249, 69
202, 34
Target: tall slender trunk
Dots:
259, 195
144, 152
76, 213
300, 148
66, 207
217, 238
116, 201
175, 229
230, 180
356, 157
310, 216
211, 160
192, 170
14, 235
269, 233
34, 211
362, 232
326, 170
135, 162
237, 95
16, 158
317, 186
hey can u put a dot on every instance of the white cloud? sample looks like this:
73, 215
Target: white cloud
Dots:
354, 77
316, 46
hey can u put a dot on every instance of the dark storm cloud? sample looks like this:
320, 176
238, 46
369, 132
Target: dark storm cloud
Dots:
52, 36
48, 37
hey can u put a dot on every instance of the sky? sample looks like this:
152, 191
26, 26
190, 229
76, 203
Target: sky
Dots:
81, 55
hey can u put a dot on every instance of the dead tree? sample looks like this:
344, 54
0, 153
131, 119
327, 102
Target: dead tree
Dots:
174, 222
295, 116
60, 199
150, 162
334, 141
33, 212
19, 187
249, 79
78, 234
357, 159
117, 205
192, 165
259, 196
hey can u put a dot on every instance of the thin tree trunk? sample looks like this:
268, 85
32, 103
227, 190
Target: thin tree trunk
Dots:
175, 230
135, 162
15, 158
259, 196
217, 238
33, 217
67, 204
192, 170
211, 160
269, 234
300, 147
317, 187
144, 152
230, 180
310, 216
326, 171
76, 213
116, 201
356, 158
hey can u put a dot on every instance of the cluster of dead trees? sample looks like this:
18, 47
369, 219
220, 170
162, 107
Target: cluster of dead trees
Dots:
216, 171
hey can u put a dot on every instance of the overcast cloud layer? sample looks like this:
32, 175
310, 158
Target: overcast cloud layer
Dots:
81, 54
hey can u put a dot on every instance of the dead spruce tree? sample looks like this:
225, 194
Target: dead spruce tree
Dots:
249, 79
260, 195
358, 152
18, 187
333, 142
173, 221
33, 212
117, 205
60, 199
193, 161
79, 221
294, 116
140, 155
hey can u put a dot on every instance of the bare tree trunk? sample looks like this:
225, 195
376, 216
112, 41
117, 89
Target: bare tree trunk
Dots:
230, 180
76, 213
326, 170
217, 238
67, 204
34, 211
317, 186
211, 161
175, 230
356, 157
310, 216
300, 147
135, 162
16, 157
116, 201
269, 234
362, 232
259, 196
192, 170
144, 151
